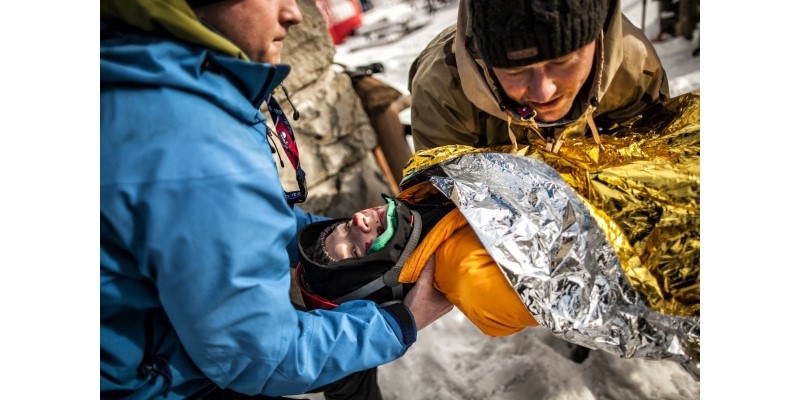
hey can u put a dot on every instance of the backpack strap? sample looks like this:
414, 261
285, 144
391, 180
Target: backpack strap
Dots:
389, 279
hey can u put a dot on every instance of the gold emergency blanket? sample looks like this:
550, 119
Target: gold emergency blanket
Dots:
602, 242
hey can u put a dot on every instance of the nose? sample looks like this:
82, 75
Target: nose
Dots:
540, 88
362, 222
363, 230
290, 14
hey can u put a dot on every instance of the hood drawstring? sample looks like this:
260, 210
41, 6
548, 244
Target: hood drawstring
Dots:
295, 113
511, 134
594, 102
555, 147
554, 144
593, 128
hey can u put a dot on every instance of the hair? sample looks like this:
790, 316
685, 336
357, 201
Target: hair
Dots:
318, 253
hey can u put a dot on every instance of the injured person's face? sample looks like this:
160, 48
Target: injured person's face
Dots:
354, 238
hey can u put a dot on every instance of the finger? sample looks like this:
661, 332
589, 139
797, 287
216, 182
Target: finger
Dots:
427, 270
431, 263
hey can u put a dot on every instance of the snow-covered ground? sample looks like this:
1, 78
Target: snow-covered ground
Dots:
452, 359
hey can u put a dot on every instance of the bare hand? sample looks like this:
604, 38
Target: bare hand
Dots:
425, 302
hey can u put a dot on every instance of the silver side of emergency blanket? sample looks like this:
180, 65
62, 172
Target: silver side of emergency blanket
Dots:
559, 261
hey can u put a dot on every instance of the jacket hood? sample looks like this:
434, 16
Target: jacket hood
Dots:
174, 17
482, 91
140, 41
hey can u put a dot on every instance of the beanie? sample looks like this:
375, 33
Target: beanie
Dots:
514, 33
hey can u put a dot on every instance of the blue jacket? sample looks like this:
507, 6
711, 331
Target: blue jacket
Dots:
196, 238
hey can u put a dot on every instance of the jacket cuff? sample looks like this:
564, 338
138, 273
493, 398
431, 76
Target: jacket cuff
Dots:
402, 322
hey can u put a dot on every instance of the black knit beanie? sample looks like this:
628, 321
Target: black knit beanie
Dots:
513, 33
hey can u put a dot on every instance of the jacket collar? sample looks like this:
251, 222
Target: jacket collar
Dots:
256, 80
164, 43
136, 58
174, 17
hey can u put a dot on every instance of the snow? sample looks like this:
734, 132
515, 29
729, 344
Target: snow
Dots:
452, 359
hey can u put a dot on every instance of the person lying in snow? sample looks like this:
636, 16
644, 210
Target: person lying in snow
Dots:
520, 243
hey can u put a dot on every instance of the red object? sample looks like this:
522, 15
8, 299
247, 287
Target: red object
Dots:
312, 301
341, 16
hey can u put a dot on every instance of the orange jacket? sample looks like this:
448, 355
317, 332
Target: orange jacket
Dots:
468, 276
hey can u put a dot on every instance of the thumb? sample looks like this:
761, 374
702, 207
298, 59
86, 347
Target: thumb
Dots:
427, 272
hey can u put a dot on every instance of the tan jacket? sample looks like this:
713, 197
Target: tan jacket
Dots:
454, 101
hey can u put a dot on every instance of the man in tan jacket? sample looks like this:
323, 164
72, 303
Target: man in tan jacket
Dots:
532, 71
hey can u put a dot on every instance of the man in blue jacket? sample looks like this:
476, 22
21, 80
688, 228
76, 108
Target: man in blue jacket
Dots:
196, 233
